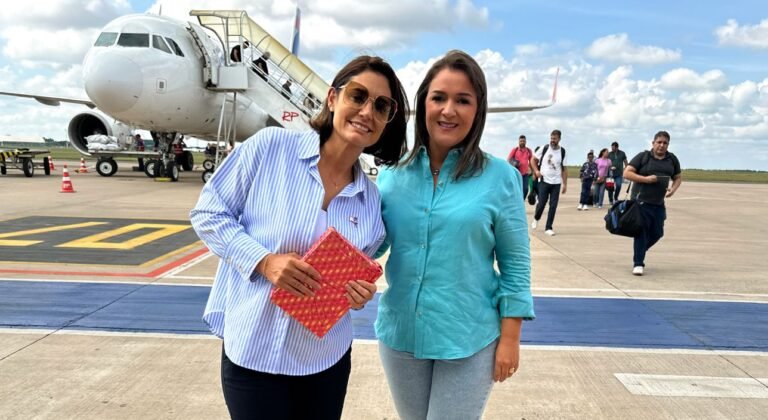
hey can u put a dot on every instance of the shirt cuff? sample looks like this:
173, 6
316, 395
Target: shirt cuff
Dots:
518, 305
243, 254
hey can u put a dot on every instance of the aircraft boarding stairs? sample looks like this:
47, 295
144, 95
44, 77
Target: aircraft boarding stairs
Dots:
288, 109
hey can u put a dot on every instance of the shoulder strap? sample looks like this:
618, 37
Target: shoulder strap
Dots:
562, 157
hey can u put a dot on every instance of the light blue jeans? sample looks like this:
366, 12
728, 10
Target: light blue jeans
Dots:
428, 389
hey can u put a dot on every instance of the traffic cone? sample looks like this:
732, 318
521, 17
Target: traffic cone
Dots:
83, 169
66, 183
50, 163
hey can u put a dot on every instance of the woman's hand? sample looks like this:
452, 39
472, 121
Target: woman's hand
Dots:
359, 292
288, 272
507, 359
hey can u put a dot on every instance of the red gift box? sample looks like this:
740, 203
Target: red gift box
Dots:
338, 262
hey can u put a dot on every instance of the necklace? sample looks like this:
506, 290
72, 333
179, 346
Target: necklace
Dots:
435, 172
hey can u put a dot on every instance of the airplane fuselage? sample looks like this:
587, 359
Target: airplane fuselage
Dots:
147, 71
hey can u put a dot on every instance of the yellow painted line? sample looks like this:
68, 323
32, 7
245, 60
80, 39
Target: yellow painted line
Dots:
171, 254
97, 241
16, 242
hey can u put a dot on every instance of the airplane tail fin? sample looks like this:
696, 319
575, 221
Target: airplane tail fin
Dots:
296, 32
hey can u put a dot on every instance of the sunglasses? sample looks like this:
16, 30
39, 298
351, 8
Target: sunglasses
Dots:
357, 95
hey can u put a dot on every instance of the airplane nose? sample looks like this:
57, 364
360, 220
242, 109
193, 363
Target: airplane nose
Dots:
113, 82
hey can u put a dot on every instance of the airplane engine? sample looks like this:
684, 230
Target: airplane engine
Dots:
88, 123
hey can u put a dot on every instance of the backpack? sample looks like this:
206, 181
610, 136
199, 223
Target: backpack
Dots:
562, 155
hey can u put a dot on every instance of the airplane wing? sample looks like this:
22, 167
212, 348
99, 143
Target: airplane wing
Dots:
498, 109
51, 100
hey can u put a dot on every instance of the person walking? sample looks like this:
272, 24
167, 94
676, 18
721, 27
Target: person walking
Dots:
548, 166
520, 158
587, 174
656, 175
618, 163
603, 166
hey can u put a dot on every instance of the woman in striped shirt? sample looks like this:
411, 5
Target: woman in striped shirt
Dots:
264, 207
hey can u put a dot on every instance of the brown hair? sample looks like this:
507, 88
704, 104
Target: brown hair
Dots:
392, 143
472, 159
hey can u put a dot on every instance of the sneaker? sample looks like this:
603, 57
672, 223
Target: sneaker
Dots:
551, 232
580, 207
600, 206
586, 207
534, 224
638, 270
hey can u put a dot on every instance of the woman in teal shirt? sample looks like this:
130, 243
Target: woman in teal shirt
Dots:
449, 323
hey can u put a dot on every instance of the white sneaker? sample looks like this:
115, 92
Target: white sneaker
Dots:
551, 232
638, 270
586, 207
534, 224
580, 207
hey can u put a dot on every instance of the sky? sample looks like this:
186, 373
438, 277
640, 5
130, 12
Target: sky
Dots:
696, 69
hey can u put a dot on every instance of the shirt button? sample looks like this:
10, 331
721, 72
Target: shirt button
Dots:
426, 210
423, 246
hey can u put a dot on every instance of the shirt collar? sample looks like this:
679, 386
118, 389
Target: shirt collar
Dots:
309, 149
448, 165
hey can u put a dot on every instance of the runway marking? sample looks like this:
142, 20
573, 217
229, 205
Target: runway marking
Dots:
39, 231
649, 291
672, 351
97, 241
693, 386
190, 278
191, 263
171, 254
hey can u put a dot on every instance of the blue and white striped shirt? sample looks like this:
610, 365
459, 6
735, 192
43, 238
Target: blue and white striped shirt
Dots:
265, 198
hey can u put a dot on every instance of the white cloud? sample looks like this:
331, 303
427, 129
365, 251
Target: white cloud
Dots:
751, 36
54, 13
683, 79
618, 48
47, 47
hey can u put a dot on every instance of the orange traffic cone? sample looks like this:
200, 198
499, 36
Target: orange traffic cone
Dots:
50, 163
66, 183
83, 169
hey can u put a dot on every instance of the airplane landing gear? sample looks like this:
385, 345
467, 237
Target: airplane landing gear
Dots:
106, 167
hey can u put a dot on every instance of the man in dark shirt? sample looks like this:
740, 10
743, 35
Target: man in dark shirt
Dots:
618, 162
651, 172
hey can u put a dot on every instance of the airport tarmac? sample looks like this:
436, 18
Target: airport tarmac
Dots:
119, 336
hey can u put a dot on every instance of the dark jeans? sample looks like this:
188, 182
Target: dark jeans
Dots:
586, 184
549, 192
653, 230
257, 395
525, 186
617, 189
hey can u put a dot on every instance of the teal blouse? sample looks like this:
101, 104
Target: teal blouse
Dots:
445, 299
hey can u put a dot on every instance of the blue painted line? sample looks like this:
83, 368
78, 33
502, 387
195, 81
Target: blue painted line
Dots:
561, 321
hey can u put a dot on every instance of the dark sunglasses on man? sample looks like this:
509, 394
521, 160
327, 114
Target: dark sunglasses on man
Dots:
356, 95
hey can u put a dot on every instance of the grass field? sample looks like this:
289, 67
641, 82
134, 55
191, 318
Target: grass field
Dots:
695, 175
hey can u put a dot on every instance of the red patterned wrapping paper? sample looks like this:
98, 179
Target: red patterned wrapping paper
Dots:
338, 262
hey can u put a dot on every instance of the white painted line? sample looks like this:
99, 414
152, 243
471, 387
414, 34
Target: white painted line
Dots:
693, 386
189, 277
672, 351
138, 334
191, 263
40, 331
110, 281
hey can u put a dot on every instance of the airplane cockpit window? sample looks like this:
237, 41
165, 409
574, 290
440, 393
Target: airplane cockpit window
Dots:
175, 47
157, 42
105, 39
133, 40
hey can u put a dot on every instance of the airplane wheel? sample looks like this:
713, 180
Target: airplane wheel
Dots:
159, 168
208, 165
172, 171
207, 175
106, 167
28, 167
149, 168
187, 161
46, 166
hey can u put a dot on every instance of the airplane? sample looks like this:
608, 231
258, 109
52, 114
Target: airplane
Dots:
173, 79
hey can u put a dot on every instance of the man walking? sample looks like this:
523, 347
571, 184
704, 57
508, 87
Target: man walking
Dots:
520, 158
618, 163
548, 166
651, 172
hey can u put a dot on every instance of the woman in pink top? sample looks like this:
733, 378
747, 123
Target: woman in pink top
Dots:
603, 164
